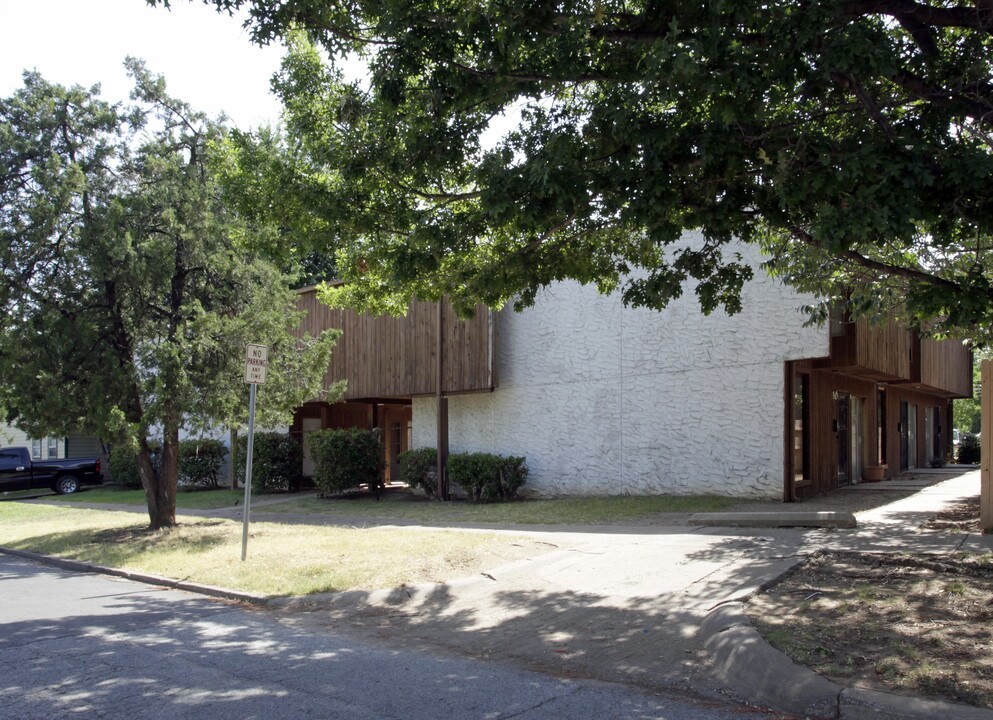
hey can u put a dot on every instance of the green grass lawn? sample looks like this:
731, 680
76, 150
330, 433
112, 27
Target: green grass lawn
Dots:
190, 500
401, 504
579, 511
282, 559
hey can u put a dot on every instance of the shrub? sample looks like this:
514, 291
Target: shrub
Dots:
347, 458
418, 469
200, 461
514, 473
484, 475
123, 463
277, 460
968, 451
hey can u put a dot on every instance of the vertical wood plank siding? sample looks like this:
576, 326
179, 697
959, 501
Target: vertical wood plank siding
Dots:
887, 352
946, 366
884, 348
384, 357
877, 351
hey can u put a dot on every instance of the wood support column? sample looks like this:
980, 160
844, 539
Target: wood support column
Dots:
986, 450
441, 408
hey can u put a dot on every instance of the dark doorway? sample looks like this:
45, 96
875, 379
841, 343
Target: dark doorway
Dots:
904, 429
842, 406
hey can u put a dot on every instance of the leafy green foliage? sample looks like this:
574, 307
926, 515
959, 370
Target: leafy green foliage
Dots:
418, 468
123, 463
967, 413
347, 458
277, 460
128, 288
495, 148
969, 449
200, 462
484, 475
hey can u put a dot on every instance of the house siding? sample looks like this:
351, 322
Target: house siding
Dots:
605, 399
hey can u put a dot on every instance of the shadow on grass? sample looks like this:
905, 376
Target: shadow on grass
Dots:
117, 547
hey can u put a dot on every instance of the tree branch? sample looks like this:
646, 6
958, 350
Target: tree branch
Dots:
979, 18
877, 265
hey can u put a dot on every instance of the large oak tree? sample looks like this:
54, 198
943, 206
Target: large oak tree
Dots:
850, 137
126, 291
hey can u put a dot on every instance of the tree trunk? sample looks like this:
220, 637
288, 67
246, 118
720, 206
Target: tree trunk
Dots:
160, 487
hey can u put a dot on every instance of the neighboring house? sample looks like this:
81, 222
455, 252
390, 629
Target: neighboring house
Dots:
73, 445
604, 399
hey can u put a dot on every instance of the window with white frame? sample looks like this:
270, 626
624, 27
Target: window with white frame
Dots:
53, 448
36, 449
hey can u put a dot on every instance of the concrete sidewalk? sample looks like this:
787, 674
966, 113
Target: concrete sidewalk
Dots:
629, 604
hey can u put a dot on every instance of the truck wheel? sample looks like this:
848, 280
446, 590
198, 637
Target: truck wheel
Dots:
66, 485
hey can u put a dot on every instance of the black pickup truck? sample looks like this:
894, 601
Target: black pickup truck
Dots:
19, 472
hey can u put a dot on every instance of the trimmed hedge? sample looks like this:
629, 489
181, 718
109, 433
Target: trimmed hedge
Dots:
347, 458
277, 461
418, 469
200, 462
485, 475
123, 463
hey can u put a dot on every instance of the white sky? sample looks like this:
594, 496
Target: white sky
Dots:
206, 57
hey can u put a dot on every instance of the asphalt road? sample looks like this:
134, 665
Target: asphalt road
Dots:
89, 646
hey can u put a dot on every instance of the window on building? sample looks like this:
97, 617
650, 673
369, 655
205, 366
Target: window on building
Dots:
53, 447
36, 449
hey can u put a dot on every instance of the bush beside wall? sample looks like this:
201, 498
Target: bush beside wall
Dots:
484, 475
277, 461
345, 459
200, 462
418, 468
123, 463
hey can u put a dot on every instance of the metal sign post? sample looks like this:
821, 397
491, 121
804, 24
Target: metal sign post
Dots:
256, 362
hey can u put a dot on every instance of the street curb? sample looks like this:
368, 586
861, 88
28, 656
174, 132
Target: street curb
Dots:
792, 518
146, 578
859, 704
754, 670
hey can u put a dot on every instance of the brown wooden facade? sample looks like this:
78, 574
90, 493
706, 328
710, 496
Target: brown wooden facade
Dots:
387, 357
880, 404
386, 361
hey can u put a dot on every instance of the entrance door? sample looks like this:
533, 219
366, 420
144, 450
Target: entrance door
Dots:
856, 443
904, 435
396, 421
912, 436
842, 406
307, 426
928, 436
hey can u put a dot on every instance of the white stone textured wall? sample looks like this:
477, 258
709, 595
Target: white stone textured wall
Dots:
604, 399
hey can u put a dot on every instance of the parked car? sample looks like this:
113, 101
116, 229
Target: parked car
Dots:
19, 472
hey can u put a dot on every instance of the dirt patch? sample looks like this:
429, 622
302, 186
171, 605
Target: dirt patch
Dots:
961, 517
910, 624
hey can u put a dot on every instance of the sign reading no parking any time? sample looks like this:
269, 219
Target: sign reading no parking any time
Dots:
256, 362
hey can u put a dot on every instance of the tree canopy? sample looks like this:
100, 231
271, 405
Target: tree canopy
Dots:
127, 294
850, 138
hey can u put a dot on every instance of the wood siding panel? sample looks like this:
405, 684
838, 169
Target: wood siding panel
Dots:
946, 366
383, 357
884, 348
